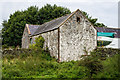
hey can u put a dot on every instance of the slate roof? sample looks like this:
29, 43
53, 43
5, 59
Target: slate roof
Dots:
112, 30
33, 28
54, 24
48, 26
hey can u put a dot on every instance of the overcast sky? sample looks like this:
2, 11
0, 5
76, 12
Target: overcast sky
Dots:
105, 10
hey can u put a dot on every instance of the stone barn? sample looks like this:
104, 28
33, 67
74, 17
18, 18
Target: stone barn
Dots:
67, 37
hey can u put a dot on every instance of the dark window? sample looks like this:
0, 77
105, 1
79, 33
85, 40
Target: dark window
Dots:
31, 40
78, 19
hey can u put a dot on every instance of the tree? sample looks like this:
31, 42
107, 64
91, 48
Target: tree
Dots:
13, 28
49, 12
93, 20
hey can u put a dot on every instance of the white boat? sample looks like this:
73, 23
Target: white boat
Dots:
102, 38
114, 44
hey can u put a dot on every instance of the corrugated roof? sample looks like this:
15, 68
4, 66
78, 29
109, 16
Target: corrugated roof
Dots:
51, 25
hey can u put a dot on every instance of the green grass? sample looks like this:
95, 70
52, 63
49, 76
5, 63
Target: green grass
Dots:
39, 64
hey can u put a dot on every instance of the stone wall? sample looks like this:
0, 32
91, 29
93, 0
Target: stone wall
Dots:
16, 52
77, 37
25, 39
51, 41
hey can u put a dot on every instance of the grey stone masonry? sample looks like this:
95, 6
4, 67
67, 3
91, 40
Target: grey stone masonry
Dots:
25, 39
51, 41
67, 39
76, 38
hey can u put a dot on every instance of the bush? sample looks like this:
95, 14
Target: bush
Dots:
7, 47
39, 43
4, 46
39, 64
110, 68
94, 62
93, 65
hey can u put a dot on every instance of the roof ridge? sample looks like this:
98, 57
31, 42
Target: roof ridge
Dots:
54, 19
46, 22
50, 25
33, 24
54, 24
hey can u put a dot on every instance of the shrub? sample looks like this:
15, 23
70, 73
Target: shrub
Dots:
92, 64
110, 68
4, 46
39, 43
39, 64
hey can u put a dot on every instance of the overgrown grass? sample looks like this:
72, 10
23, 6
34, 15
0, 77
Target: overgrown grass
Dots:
39, 64
110, 68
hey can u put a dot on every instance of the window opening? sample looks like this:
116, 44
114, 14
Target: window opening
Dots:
31, 40
78, 19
